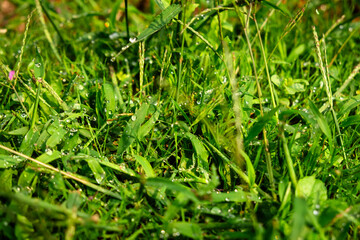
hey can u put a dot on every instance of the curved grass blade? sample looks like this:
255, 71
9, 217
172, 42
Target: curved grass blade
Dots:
176, 187
145, 165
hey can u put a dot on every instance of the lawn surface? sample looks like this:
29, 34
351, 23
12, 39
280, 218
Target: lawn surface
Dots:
179, 119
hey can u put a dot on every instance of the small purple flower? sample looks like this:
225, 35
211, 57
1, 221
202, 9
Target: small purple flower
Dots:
11, 75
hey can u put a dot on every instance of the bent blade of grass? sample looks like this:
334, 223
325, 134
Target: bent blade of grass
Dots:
240, 172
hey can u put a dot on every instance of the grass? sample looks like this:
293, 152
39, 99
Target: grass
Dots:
189, 120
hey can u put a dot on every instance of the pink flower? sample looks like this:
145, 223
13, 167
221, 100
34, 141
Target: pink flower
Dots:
11, 75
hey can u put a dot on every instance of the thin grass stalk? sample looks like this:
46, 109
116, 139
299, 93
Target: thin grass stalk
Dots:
162, 74
32, 124
20, 60
141, 63
326, 77
266, 142
127, 20
332, 107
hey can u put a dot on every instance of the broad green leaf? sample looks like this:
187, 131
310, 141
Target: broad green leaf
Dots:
349, 105
57, 134
19, 131
163, 4
7, 161
71, 142
27, 180
132, 128
146, 166
27, 145
160, 21
277, 80
6, 179
49, 156
260, 123
313, 190
176, 187
74, 200
296, 52
188, 229
96, 169
109, 98
322, 123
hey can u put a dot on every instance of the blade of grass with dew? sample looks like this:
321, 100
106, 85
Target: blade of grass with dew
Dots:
132, 129
67, 174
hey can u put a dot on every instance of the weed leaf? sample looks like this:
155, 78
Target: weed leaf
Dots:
160, 21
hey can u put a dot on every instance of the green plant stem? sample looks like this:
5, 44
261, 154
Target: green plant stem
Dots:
127, 20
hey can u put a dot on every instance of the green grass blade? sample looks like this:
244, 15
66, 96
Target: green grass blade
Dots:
149, 172
160, 21
322, 123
